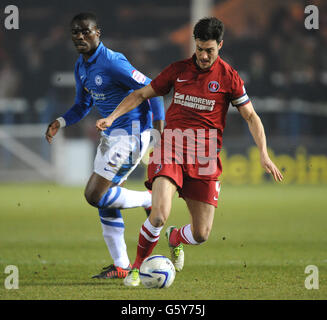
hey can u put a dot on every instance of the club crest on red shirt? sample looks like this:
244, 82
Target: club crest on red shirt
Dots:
213, 86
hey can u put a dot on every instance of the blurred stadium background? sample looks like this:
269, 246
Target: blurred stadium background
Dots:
283, 64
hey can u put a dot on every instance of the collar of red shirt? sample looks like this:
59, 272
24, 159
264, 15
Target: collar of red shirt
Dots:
207, 70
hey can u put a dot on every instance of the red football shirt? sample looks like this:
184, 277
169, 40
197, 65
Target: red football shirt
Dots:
201, 97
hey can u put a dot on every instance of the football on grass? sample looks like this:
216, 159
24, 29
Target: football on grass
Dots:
157, 272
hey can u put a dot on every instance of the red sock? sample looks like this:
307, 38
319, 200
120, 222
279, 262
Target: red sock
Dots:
147, 241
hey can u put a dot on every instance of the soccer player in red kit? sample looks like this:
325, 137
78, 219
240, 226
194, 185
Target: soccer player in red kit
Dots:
204, 86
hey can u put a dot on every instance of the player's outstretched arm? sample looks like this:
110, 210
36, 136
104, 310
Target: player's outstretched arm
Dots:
52, 130
129, 103
258, 134
76, 113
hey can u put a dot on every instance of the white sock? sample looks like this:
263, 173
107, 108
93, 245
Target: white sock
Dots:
187, 235
113, 233
154, 231
122, 198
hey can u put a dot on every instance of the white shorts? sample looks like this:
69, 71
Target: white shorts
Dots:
118, 155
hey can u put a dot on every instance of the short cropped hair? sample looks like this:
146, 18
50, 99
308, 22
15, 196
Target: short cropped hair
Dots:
86, 16
209, 29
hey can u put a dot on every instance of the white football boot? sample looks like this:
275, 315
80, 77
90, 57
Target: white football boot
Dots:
133, 278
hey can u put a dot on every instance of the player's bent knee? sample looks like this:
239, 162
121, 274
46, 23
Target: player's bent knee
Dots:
158, 217
157, 221
201, 236
92, 197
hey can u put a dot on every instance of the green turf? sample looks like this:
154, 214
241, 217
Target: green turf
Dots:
262, 240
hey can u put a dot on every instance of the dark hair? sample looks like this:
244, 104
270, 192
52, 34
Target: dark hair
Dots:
209, 29
86, 16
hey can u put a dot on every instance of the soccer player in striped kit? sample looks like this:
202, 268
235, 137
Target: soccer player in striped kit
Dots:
204, 86
103, 79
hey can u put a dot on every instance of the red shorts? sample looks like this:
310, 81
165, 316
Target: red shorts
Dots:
196, 189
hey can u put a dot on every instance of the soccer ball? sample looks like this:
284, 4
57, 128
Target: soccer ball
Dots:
157, 272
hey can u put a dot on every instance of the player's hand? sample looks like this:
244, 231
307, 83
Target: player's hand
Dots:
103, 124
271, 168
52, 130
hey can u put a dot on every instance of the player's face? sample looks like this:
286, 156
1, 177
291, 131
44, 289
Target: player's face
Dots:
85, 36
206, 52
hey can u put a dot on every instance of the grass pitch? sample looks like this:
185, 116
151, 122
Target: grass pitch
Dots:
262, 240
